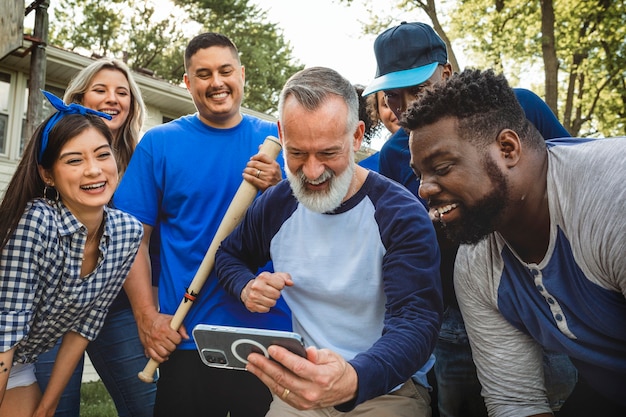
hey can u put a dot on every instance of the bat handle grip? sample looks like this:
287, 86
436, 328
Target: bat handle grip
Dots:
147, 375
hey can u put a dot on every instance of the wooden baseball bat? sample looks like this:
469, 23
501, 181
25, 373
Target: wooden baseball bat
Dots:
234, 214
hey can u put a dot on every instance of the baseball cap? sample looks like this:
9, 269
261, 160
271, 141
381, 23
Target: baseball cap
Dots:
406, 55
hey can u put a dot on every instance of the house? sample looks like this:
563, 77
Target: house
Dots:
164, 101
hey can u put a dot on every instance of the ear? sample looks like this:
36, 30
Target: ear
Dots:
510, 147
447, 71
186, 80
243, 74
45, 176
280, 134
358, 136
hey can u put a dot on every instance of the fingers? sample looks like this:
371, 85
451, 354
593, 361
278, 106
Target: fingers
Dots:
159, 338
262, 172
183, 332
153, 354
277, 378
262, 158
323, 379
261, 293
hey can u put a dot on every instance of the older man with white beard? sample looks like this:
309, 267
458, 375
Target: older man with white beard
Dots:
356, 260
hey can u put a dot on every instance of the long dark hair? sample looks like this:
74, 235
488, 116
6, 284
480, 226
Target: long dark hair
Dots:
26, 184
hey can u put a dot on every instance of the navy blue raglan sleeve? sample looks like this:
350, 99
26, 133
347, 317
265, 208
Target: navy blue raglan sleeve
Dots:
414, 297
247, 248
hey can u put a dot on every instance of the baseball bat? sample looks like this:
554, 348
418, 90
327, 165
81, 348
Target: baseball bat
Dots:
234, 214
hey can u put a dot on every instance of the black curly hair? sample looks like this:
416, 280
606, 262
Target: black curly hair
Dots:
483, 103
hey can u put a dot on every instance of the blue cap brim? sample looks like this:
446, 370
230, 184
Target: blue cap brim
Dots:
401, 79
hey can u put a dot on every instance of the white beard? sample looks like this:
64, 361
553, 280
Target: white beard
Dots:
322, 201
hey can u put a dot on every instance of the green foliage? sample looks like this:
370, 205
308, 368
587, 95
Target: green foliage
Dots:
95, 401
498, 32
156, 44
88, 24
131, 30
589, 40
126, 29
590, 47
595, 41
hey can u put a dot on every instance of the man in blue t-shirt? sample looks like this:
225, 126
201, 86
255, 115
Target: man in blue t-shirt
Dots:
180, 181
411, 59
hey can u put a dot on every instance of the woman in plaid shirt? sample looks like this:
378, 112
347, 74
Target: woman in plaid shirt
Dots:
64, 253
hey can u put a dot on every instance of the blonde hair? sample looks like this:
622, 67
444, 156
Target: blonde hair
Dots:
128, 136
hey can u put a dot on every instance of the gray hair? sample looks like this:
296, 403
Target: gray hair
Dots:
311, 87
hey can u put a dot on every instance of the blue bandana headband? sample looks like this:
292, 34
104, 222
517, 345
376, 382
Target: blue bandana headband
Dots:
63, 110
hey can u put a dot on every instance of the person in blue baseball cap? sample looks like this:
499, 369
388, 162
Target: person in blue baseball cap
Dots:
411, 58
408, 55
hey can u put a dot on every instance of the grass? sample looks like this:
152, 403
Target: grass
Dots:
95, 401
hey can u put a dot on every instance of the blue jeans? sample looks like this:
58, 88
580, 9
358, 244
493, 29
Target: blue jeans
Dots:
458, 388
117, 355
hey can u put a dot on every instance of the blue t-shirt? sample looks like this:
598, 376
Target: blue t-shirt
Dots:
181, 179
371, 162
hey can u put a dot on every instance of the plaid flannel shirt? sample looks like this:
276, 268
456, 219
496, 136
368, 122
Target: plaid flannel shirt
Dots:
42, 293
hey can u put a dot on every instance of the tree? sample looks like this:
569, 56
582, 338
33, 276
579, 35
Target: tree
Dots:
380, 21
550, 59
132, 31
579, 46
98, 23
127, 29
157, 44
579, 43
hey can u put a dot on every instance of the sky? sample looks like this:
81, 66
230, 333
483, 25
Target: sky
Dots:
326, 33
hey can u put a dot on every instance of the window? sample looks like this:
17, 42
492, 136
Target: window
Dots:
5, 84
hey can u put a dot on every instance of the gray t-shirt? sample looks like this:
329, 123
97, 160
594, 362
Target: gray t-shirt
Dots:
573, 301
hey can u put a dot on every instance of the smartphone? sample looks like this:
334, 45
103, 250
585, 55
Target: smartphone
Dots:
228, 347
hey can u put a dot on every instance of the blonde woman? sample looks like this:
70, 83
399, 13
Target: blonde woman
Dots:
107, 85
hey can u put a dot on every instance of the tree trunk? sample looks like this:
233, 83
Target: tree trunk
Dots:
431, 10
548, 49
